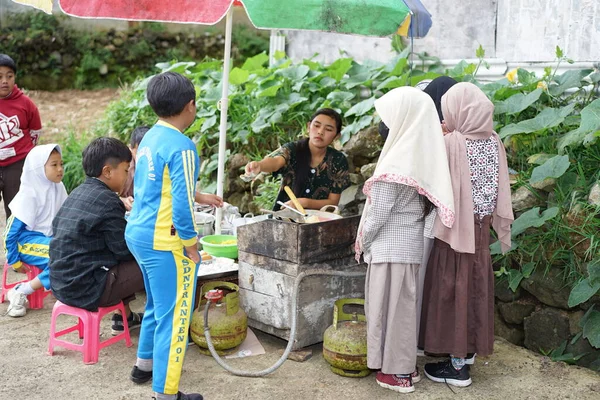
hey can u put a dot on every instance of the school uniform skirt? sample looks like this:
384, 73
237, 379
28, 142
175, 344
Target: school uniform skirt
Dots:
458, 298
390, 308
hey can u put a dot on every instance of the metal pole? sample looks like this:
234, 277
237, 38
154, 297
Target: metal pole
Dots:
224, 102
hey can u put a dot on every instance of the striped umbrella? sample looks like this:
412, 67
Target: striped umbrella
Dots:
361, 17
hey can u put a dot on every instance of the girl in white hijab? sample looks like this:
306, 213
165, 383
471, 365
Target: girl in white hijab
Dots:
28, 230
411, 178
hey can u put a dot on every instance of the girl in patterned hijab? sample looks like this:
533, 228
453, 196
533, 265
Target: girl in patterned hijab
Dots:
458, 297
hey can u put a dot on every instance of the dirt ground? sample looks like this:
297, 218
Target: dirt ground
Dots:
71, 109
28, 372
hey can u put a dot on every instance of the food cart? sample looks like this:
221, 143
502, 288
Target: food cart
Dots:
272, 253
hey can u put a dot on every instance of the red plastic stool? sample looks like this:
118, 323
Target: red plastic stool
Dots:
36, 299
88, 326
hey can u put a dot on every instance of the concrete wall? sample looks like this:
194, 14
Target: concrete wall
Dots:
512, 32
530, 30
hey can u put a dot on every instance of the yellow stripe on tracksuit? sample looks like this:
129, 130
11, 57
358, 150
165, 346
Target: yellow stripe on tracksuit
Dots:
35, 250
188, 167
182, 315
170, 281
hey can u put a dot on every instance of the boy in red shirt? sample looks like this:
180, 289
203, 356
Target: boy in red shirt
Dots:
20, 128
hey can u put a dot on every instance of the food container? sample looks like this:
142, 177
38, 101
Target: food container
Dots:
321, 215
220, 245
204, 224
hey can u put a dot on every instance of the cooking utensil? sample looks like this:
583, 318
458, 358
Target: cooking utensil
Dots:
282, 204
294, 200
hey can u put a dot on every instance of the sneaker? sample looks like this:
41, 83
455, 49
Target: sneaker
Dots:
416, 376
395, 382
134, 321
420, 352
470, 360
445, 372
17, 303
190, 396
138, 376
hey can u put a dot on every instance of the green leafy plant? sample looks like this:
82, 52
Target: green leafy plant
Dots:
267, 191
559, 354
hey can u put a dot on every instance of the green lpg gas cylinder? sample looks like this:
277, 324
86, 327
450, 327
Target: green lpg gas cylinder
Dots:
345, 342
227, 321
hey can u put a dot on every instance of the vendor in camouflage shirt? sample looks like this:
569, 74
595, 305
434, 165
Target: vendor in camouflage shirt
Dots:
317, 173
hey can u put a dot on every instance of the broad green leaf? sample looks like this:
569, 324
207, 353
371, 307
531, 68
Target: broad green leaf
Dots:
361, 108
490, 89
585, 317
553, 168
514, 279
294, 73
591, 330
559, 53
256, 62
594, 270
591, 138
393, 82
179, 67
532, 218
208, 123
354, 127
517, 103
362, 74
548, 118
459, 69
339, 67
590, 122
212, 95
595, 77
399, 67
340, 97
470, 69
539, 159
312, 64
525, 77
238, 76
207, 66
583, 291
279, 54
414, 79
294, 99
527, 269
270, 92
328, 82
568, 80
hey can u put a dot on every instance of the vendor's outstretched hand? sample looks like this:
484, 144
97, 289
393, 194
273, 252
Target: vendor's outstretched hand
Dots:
210, 199
253, 168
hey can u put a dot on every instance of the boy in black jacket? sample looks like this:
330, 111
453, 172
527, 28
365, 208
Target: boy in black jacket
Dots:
90, 264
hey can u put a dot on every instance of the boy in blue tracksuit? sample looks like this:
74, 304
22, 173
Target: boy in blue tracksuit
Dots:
161, 234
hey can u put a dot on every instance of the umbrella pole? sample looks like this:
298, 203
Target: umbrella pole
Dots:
223, 126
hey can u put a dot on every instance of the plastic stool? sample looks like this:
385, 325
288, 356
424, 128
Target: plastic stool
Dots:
36, 299
88, 327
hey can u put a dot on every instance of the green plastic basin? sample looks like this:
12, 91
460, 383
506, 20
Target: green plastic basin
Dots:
213, 245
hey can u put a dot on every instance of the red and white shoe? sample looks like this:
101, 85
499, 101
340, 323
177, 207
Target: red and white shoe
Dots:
416, 376
395, 383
